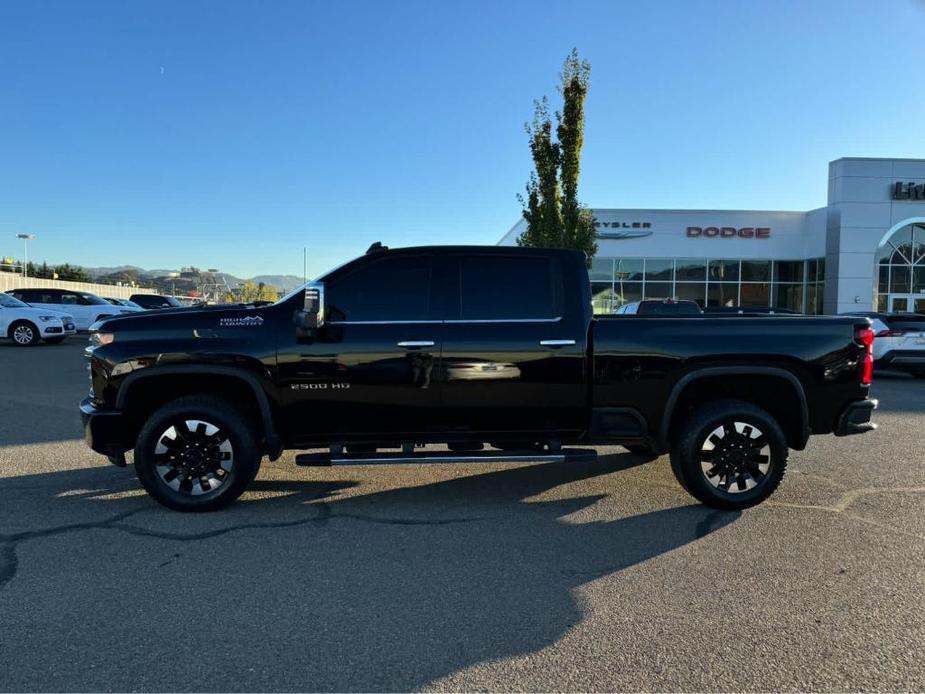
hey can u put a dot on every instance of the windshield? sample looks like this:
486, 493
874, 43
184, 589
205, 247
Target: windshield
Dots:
94, 299
7, 301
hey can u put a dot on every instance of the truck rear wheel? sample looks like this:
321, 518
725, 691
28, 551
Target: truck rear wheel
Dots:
196, 454
730, 455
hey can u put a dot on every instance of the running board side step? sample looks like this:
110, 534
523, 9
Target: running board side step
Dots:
526, 456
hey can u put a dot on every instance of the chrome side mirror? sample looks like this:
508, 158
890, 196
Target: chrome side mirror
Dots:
311, 317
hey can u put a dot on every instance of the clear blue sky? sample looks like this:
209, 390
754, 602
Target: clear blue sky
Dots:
230, 134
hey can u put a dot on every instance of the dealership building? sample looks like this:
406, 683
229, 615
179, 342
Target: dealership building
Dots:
865, 250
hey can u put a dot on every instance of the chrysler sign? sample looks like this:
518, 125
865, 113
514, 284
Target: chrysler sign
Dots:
729, 232
622, 230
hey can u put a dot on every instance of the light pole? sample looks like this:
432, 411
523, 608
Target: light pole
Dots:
26, 238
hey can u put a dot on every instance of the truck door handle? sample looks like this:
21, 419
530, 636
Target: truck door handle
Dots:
556, 343
416, 343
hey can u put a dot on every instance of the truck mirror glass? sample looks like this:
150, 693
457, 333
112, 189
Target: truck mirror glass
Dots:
311, 317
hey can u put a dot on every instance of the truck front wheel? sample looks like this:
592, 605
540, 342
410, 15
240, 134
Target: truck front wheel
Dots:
730, 455
196, 454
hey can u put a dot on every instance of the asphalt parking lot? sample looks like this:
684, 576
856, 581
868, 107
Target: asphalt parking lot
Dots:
595, 576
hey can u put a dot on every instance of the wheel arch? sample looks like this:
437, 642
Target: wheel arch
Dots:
791, 409
17, 321
157, 385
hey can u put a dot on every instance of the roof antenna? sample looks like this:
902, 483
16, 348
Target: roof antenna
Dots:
376, 247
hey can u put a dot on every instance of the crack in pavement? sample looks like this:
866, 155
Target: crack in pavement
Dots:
849, 497
9, 562
847, 500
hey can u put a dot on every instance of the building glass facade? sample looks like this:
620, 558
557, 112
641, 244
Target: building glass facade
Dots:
789, 284
901, 270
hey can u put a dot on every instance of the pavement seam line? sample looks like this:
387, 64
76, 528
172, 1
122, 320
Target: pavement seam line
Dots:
9, 562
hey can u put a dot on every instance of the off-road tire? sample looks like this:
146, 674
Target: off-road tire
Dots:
690, 441
232, 427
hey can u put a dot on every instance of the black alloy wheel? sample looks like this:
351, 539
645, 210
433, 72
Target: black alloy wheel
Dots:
196, 454
194, 457
730, 455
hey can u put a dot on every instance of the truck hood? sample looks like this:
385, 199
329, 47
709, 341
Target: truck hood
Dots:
211, 317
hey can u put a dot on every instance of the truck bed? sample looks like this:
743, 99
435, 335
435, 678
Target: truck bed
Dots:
639, 361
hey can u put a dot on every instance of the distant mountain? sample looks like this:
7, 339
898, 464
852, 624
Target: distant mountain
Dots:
99, 271
284, 283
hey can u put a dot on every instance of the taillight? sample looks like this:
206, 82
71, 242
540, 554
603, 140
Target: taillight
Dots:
865, 337
891, 333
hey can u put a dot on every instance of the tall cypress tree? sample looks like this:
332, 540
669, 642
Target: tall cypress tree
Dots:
555, 217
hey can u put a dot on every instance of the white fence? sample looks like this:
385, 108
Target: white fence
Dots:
9, 280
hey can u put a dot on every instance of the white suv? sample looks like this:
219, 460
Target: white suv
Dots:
86, 308
26, 325
900, 341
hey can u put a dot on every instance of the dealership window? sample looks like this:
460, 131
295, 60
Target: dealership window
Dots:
722, 294
602, 297
901, 270
629, 269
724, 271
691, 291
626, 292
755, 294
601, 270
756, 270
659, 270
796, 285
690, 270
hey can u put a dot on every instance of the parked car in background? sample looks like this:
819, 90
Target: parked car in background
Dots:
26, 325
152, 301
660, 307
122, 302
84, 307
900, 341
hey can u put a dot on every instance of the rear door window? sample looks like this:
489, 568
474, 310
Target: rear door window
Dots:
34, 296
499, 287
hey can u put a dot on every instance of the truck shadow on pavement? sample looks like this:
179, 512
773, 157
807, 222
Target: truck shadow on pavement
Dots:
324, 588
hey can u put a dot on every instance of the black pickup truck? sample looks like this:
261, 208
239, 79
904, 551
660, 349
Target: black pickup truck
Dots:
465, 346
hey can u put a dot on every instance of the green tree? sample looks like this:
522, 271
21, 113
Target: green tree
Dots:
251, 291
72, 273
555, 217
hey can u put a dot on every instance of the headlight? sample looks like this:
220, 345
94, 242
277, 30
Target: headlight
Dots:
47, 319
100, 339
